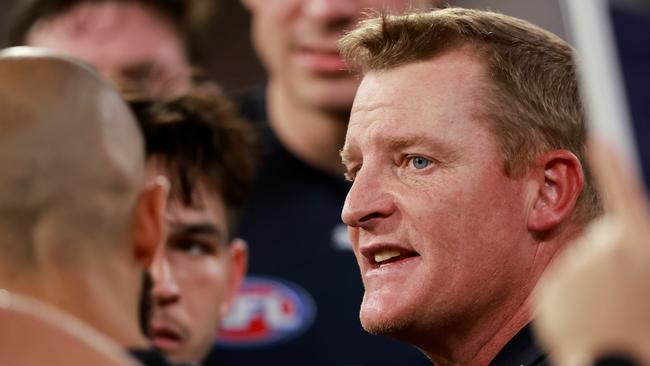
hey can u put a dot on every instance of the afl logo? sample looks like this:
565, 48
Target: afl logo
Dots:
266, 311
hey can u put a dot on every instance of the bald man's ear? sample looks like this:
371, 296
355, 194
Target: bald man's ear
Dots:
560, 181
150, 228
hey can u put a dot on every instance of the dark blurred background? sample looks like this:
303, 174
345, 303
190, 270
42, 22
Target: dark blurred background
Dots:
229, 59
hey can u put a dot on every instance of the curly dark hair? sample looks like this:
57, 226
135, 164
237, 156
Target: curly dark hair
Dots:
200, 138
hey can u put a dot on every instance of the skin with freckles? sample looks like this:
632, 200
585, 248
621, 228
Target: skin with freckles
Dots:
428, 184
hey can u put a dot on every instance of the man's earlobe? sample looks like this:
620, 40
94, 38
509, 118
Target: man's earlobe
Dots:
559, 188
150, 228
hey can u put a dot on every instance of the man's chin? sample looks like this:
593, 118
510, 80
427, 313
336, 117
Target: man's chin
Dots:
384, 320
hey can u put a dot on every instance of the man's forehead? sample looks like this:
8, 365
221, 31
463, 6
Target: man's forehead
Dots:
199, 213
374, 112
372, 97
203, 220
97, 25
380, 99
160, 164
391, 89
102, 16
206, 204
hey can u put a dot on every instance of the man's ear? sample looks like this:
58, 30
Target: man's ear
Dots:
238, 252
150, 229
560, 182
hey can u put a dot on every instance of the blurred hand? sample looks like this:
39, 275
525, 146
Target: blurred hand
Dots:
595, 300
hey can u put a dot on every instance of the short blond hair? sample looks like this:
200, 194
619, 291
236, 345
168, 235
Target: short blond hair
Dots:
534, 100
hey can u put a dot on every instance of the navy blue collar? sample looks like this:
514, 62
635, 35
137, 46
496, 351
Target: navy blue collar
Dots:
522, 350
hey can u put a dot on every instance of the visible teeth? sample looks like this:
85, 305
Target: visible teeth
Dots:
386, 254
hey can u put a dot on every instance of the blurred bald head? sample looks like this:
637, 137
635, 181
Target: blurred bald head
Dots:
71, 158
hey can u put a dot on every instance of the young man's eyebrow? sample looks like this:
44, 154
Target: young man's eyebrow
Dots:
196, 228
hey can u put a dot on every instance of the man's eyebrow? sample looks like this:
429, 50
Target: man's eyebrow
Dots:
346, 155
401, 142
440, 148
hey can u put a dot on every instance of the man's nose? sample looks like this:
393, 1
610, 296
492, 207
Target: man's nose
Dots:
367, 202
165, 289
334, 12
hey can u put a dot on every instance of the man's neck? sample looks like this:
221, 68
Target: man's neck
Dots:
490, 332
480, 345
503, 335
88, 296
312, 134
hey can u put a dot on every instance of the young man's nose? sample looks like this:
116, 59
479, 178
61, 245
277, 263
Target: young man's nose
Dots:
165, 289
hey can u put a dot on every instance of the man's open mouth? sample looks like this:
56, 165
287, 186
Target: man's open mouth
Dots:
387, 256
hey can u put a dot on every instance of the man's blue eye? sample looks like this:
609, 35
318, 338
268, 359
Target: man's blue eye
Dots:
420, 162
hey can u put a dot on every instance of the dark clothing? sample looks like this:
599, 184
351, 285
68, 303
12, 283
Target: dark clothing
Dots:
521, 350
299, 251
616, 361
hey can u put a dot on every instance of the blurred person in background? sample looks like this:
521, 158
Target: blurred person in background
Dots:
206, 151
300, 304
146, 44
79, 221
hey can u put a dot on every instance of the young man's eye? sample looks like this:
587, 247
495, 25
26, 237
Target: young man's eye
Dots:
419, 162
192, 247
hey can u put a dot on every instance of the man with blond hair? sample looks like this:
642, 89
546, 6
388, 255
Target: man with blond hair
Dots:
466, 149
